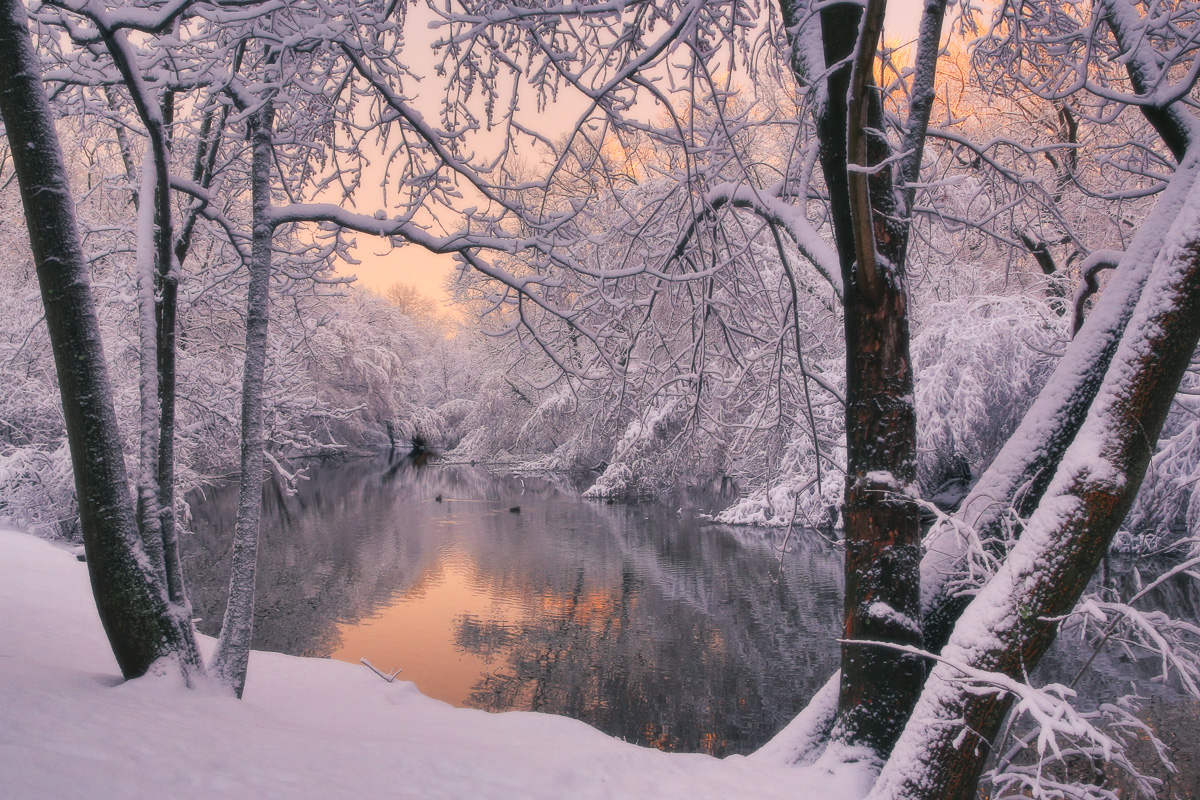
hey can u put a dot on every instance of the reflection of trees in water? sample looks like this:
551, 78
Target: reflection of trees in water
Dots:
331, 552
648, 626
688, 645
353, 537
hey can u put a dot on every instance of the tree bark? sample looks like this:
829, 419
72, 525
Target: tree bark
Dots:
882, 600
141, 624
166, 318
237, 628
149, 518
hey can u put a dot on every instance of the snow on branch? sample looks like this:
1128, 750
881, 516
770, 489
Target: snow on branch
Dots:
1048, 707
788, 217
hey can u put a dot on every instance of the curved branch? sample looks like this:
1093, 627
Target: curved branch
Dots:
1096, 263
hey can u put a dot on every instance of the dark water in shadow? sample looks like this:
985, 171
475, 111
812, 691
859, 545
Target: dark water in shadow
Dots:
645, 623
641, 621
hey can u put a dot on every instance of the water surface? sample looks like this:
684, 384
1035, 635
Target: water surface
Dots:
642, 621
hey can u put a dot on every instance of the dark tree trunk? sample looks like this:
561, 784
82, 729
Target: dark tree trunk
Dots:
882, 596
141, 624
882, 600
166, 315
156, 495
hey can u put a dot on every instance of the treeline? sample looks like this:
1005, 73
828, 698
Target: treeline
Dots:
344, 364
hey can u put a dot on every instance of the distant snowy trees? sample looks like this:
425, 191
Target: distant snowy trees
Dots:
188, 93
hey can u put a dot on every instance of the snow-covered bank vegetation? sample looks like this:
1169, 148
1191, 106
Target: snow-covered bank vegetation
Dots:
344, 365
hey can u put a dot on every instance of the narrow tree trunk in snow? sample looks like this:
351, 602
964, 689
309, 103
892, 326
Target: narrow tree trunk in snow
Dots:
166, 323
166, 320
158, 279
149, 520
237, 628
142, 626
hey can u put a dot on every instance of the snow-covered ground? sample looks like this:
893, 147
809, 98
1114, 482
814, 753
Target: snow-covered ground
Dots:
307, 727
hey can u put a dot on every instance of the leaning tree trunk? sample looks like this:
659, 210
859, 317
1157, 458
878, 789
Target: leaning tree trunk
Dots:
1011, 623
237, 628
1018, 477
1016, 480
1020, 473
142, 625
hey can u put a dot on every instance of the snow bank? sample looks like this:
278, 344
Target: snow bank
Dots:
307, 727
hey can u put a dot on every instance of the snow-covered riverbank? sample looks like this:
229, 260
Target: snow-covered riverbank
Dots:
307, 727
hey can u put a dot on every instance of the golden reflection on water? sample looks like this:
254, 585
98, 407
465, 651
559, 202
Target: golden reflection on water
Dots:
416, 631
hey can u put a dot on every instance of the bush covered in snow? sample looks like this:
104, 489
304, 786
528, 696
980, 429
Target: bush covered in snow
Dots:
978, 366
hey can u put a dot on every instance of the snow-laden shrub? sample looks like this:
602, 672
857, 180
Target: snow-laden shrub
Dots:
501, 407
794, 500
784, 486
425, 428
522, 408
36, 484
634, 472
37, 490
978, 366
454, 413
545, 428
